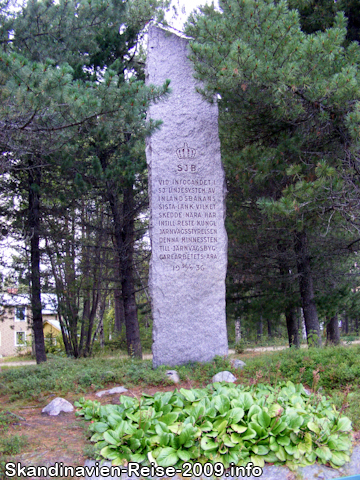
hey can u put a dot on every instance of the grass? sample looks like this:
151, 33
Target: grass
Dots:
63, 375
334, 371
10, 445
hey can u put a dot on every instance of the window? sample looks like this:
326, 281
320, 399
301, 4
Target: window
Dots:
19, 314
20, 339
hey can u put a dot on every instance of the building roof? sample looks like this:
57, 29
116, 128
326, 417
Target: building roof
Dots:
48, 301
54, 323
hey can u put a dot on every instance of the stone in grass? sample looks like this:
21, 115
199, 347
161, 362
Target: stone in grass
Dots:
112, 391
224, 376
236, 363
173, 375
58, 405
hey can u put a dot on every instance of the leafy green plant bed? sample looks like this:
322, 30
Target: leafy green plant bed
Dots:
224, 423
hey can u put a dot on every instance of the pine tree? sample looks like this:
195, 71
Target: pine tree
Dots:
289, 111
66, 73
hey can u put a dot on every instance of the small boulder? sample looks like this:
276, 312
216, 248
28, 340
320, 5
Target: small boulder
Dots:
173, 375
224, 376
236, 363
58, 405
112, 391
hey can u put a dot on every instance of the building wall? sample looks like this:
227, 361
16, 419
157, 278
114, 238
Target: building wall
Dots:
12, 330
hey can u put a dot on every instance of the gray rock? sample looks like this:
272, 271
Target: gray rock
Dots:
112, 391
187, 207
58, 405
236, 363
224, 376
173, 375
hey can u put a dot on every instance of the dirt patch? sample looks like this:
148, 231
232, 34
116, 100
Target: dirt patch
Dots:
62, 438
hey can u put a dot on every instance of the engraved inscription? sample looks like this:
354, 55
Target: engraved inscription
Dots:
186, 224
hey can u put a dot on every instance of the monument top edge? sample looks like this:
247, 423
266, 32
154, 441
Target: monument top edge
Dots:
169, 29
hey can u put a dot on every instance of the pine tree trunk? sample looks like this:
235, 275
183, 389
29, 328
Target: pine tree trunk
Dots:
332, 331
119, 311
292, 326
124, 239
260, 328
237, 330
34, 230
306, 289
269, 328
345, 323
127, 277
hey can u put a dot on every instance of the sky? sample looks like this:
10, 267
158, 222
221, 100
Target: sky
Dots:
184, 8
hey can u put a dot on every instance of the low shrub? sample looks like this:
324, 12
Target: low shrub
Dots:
221, 423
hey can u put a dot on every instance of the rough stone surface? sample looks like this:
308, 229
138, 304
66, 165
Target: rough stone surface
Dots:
187, 200
112, 391
58, 405
236, 363
271, 472
173, 375
224, 376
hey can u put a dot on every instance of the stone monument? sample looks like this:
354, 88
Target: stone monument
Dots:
187, 207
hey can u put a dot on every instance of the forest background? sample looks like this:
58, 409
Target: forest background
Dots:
73, 171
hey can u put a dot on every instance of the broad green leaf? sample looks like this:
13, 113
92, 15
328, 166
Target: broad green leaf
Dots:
274, 446
134, 444
186, 434
109, 453
167, 457
257, 461
99, 427
108, 436
184, 455
308, 442
290, 449
253, 410
324, 453
208, 444
249, 434
169, 418
138, 457
221, 403
113, 419
270, 457
343, 443
263, 419
238, 428
227, 441
339, 458
280, 427
283, 440
220, 425
275, 409
260, 431
247, 401
260, 449
206, 426
188, 394
313, 427
281, 454
296, 422
344, 425
235, 415
175, 428
165, 439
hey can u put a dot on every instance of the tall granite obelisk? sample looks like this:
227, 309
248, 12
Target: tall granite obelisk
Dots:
187, 205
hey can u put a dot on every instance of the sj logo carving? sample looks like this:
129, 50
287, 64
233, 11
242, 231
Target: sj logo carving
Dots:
186, 153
